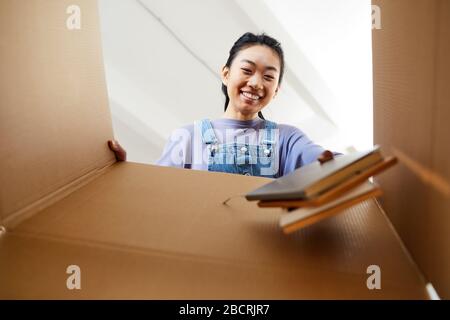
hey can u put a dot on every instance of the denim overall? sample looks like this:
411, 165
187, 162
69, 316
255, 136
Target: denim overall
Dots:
242, 158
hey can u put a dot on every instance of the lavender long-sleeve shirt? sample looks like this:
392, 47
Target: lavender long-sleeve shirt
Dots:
185, 148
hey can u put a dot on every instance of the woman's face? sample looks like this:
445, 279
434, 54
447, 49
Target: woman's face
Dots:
252, 79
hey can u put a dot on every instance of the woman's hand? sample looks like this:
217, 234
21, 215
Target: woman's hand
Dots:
121, 154
327, 155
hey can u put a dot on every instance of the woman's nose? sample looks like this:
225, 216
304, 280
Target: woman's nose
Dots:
255, 81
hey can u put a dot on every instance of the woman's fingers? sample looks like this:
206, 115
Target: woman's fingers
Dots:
325, 156
121, 154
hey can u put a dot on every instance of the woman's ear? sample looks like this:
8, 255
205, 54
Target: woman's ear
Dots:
224, 74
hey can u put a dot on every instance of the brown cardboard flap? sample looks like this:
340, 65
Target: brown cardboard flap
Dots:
36, 268
54, 116
149, 226
411, 118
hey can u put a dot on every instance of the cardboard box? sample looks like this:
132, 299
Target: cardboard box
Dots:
411, 114
143, 231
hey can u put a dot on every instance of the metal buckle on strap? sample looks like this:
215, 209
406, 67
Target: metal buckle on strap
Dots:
213, 147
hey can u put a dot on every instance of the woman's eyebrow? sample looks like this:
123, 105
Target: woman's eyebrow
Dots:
254, 64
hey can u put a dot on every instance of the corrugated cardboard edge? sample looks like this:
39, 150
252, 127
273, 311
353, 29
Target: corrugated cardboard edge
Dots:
19, 216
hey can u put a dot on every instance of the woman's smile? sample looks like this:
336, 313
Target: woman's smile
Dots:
249, 96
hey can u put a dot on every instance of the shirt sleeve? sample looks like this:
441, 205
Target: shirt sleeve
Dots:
177, 151
298, 150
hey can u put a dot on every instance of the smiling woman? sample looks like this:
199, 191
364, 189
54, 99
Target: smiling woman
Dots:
251, 76
243, 141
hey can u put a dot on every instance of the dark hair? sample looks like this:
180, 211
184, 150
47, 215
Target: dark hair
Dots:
246, 40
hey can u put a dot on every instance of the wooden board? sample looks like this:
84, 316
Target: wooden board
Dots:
329, 212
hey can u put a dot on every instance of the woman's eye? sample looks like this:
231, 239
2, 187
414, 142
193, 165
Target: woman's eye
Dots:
269, 78
246, 71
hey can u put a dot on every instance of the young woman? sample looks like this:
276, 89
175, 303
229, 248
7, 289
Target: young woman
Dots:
242, 141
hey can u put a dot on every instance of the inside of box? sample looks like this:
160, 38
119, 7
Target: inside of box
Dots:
411, 114
140, 230
143, 217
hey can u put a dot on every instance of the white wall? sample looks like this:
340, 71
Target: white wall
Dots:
163, 57
335, 37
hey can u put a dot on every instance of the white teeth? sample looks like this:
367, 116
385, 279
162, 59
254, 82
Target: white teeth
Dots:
250, 96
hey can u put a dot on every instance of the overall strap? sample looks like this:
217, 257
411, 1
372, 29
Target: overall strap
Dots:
269, 137
208, 135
